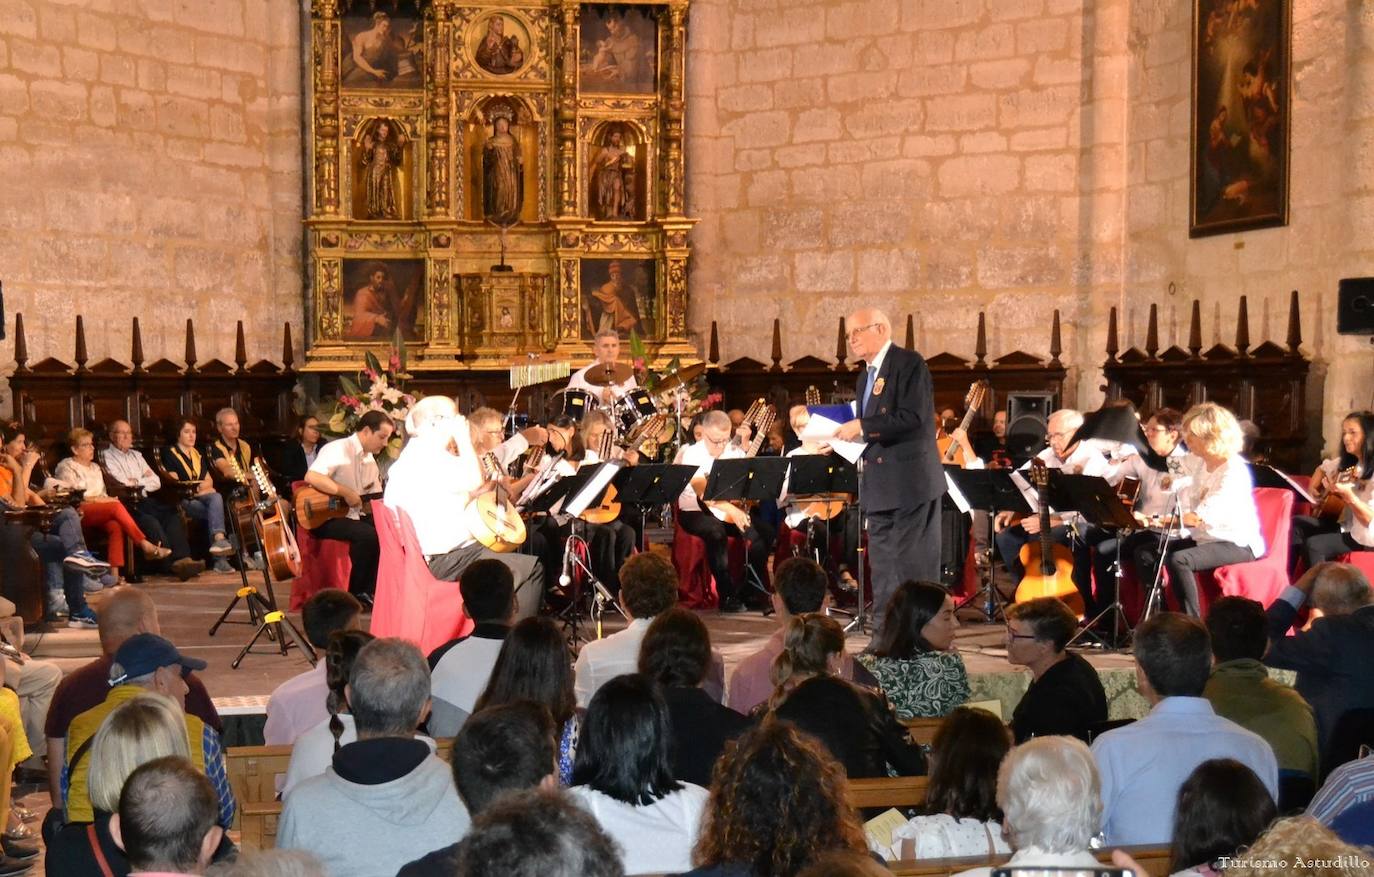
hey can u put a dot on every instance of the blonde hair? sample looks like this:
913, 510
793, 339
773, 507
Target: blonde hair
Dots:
76, 436
1299, 846
137, 731
807, 645
1212, 429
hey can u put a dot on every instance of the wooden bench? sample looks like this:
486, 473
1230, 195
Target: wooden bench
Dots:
1154, 860
888, 792
922, 730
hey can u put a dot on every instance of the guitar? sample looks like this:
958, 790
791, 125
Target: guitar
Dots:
279, 546
1329, 504
950, 451
243, 507
1048, 565
763, 419
822, 510
492, 517
314, 507
609, 507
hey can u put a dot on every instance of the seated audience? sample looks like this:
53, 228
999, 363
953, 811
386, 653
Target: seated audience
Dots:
1048, 791
542, 833
125, 612
960, 816
145, 662
300, 454
313, 751
501, 750
1065, 695
166, 820
159, 520
533, 665
183, 461
460, 669
623, 775
856, 724
1300, 846
913, 655
1240, 688
777, 804
799, 587
388, 799
136, 732
1222, 808
299, 703
648, 586
1144, 764
1348, 787
676, 654
1332, 656
1318, 539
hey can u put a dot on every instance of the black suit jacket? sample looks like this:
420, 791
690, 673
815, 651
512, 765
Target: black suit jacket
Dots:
858, 726
1332, 658
902, 464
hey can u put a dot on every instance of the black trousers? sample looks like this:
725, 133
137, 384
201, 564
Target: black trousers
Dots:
611, 544
716, 534
1183, 560
1112, 549
526, 569
1329, 546
163, 525
903, 544
1009, 543
363, 550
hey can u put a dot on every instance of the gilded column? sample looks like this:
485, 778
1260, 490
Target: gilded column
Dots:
674, 109
438, 104
566, 113
324, 41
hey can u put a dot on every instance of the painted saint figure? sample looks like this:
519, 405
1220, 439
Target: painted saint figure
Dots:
614, 304
498, 53
381, 160
374, 50
378, 307
612, 176
502, 173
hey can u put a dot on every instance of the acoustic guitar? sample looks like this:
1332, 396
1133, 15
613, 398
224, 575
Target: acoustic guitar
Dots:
760, 416
1330, 505
609, 508
950, 451
314, 507
1048, 565
492, 517
279, 546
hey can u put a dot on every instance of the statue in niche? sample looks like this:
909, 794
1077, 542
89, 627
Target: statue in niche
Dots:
503, 171
498, 53
612, 181
383, 149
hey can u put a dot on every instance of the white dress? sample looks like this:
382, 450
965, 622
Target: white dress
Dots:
941, 836
656, 838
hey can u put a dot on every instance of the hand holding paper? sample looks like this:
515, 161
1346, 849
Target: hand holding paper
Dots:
822, 429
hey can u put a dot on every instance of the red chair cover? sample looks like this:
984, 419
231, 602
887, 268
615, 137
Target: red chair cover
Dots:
410, 602
1361, 560
324, 564
1262, 579
696, 587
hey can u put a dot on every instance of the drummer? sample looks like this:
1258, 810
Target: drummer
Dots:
606, 379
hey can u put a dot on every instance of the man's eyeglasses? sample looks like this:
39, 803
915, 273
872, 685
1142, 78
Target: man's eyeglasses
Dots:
858, 330
1012, 634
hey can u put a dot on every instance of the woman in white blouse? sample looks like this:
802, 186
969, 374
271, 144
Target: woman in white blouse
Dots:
1220, 521
1317, 539
99, 510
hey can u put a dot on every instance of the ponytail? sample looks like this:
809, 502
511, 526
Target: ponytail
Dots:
343, 647
807, 644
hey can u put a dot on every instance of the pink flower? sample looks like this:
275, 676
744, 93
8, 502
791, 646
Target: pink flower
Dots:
639, 363
371, 375
348, 402
394, 363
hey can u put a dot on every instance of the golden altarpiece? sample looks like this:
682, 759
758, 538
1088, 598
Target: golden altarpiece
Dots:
493, 180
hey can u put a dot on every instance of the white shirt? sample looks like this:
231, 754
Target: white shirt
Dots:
941, 836
699, 455
876, 365
657, 838
433, 485
345, 461
131, 468
80, 476
579, 381
1224, 498
313, 751
462, 673
604, 659
1085, 460
1361, 533
1154, 498
296, 705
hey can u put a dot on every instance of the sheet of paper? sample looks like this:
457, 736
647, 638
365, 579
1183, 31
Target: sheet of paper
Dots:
992, 706
957, 495
879, 829
822, 429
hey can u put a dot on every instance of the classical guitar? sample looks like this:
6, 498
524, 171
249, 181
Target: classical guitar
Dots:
950, 451
1329, 504
1048, 565
279, 546
242, 506
314, 507
762, 418
609, 507
492, 517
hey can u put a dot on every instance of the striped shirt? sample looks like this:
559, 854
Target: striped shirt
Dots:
1350, 784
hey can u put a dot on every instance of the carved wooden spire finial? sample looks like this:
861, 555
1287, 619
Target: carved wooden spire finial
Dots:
288, 350
841, 346
777, 346
1056, 343
910, 333
21, 345
1243, 327
1294, 324
136, 348
713, 351
190, 345
980, 343
1152, 332
240, 349
1113, 345
1195, 330
80, 356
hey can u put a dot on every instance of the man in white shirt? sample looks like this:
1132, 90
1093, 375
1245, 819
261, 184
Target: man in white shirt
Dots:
347, 468
606, 347
161, 523
436, 476
460, 668
1143, 764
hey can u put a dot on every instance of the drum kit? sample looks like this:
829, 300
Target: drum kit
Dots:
639, 418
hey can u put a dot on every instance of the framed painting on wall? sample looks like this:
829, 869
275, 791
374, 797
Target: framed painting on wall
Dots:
1242, 52
381, 294
619, 294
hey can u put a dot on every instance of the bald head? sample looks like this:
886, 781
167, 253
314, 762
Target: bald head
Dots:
125, 612
869, 330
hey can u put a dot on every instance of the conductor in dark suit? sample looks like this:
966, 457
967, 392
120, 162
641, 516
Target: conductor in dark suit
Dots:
902, 479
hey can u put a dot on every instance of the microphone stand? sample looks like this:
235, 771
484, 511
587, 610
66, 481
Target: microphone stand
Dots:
1155, 597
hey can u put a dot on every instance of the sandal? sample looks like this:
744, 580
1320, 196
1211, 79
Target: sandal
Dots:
158, 552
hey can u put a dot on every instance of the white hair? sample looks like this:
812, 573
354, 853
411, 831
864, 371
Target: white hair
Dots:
1049, 791
430, 412
1071, 418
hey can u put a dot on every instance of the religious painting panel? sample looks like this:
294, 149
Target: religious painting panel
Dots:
619, 294
618, 53
616, 177
499, 43
383, 171
380, 296
1240, 115
382, 46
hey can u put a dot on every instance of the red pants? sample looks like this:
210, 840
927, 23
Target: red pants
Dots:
114, 519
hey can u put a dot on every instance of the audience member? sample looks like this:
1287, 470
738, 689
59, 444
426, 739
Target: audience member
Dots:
960, 816
145, 662
1300, 846
799, 587
533, 665
298, 704
269, 863
913, 656
1144, 764
301, 453
1348, 787
856, 724
1240, 688
778, 801
166, 822
1333, 656
501, 750
159, 520
459, 669
676, 654
313, 751
1222, 808
1065, 694
542, 833
125, 612
623, 775
33, 681
1048, 791
387, 799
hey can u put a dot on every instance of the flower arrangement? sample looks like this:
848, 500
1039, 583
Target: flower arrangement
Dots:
376, 389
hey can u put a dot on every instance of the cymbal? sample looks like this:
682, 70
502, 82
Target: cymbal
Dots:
681, 377
605, 375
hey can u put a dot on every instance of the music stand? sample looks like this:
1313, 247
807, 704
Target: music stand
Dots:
1268, 476
823, 478
753, 479
652, 484
990, 491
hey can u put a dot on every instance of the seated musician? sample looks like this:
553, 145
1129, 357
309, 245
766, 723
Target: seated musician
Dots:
1320, 539
303, 449
437, 474
230, 455
1080, 458
184, 462
100, 511
720, 521
347, 468
489, 437
1220, 521
160, 521
606, 348
614, 541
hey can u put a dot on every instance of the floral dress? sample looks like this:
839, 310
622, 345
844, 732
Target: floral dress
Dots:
567, 751
929, 685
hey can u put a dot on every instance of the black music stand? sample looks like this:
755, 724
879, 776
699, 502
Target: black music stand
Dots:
1268, 476
651, 484
823, 478
753, 479
989, 491
585, 490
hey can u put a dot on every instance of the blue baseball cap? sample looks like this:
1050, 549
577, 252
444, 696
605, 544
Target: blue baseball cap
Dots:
144, 653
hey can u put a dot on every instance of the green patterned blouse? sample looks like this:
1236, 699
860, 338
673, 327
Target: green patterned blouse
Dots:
926, 686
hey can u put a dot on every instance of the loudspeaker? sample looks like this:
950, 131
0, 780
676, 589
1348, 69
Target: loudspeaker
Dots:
1355, 306
1028, 414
